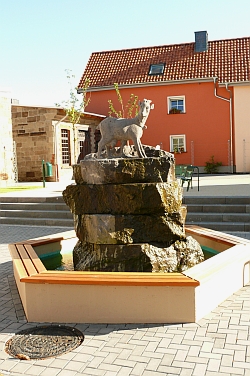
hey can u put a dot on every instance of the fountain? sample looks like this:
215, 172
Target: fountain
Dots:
129, 216
135, 261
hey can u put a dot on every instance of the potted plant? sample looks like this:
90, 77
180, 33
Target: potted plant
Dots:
174, 111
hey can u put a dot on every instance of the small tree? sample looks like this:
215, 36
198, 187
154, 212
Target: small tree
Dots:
75, 105
129, 108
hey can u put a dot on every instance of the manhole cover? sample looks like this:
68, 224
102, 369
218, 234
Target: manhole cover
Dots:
43, 342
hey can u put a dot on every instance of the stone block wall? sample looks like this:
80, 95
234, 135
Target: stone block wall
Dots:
33, 134
6, 140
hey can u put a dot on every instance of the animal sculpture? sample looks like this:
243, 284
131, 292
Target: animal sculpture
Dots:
113, 130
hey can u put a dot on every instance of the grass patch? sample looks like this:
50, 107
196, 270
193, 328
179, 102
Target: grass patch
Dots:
19, 188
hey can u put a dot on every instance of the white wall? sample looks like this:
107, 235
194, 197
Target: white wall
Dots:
6, 140
242, 128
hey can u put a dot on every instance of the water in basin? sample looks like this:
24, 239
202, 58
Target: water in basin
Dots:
64, 261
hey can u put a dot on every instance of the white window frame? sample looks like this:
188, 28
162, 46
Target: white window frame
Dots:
174, 98
183, 144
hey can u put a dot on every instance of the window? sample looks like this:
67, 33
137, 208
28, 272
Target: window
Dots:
65, 140
156, 69
176, 105
178, 143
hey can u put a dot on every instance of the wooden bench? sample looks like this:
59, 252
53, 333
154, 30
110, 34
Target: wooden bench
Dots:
97, 297
30, 269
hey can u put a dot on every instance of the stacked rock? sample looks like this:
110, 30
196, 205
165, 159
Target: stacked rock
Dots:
129, 216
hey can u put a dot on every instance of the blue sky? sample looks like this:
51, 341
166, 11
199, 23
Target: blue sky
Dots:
40, 39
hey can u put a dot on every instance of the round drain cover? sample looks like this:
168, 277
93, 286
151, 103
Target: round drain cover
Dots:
44, 342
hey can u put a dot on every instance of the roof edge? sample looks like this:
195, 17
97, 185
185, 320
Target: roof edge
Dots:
162, 83
166, 45
236, 83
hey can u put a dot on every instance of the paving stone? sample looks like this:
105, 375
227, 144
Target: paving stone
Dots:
138, 369
183, 364
153, 364
181, 355
207, 347
167, 370
186, 372
50, 372
239, 356
66, 373
210, 355
35, 370
244, 365
199, 369
232, 370
21, 367
197, 359
213, 365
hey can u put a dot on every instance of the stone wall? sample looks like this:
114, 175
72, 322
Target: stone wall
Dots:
6, 140
33, 133
36, 131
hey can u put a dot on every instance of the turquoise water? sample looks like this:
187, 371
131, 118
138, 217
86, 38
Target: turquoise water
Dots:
64, 261
208, 252
58, 261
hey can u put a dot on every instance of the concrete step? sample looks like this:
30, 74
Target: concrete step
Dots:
35, 206
218, 208
37, 214
35, 211
217, 217
54, 199
226, 214
38, 222
206, 200
227, 227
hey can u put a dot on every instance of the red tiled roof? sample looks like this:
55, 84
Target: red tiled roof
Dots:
229, 60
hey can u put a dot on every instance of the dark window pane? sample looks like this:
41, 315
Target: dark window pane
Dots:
156, 69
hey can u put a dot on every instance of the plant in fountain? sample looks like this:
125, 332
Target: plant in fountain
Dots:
130, 108
75, 105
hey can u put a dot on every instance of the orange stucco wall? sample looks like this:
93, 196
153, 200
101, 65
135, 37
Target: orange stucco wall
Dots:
206, 123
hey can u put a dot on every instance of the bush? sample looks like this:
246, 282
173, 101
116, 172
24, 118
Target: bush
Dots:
211, 166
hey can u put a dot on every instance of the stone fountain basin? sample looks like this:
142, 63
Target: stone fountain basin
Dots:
98, 297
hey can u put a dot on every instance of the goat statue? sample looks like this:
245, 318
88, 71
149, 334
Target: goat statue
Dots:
113, 130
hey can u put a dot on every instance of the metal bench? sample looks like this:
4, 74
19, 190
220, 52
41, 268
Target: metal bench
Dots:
185, 173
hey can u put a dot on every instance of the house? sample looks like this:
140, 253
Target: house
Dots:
45, 134
201, 93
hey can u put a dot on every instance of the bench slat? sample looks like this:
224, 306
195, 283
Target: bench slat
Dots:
37, 242
17, 261
28, 264
35, 259
112, 279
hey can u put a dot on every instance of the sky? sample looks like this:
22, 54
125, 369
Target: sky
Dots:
41, 39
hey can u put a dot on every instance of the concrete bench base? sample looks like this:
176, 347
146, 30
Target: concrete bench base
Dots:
97, 297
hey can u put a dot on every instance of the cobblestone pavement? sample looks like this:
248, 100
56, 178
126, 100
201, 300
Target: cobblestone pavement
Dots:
219, 344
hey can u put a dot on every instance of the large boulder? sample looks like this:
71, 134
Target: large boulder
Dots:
111, 258
123, 229
145, 257
127, 199
122, 171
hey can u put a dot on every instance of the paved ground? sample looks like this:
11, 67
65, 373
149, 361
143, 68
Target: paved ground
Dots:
219, 344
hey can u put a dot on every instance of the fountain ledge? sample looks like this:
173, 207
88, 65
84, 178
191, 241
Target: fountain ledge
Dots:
101, 297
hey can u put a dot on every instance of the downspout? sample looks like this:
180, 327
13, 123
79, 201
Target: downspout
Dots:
230, 118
